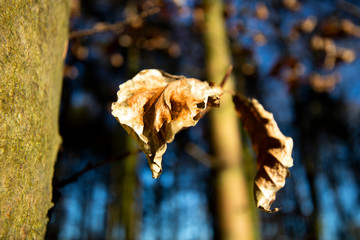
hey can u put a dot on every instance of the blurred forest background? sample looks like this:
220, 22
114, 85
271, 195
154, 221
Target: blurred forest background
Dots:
299, 58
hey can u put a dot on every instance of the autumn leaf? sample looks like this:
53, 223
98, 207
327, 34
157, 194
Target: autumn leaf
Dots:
154, 105
273, 150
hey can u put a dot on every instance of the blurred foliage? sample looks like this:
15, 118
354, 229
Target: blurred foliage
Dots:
299, 58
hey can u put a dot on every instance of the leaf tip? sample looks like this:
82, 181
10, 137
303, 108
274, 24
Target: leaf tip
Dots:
155, 170
269, 210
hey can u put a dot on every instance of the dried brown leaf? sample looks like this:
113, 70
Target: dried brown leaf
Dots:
154, 105
273, 150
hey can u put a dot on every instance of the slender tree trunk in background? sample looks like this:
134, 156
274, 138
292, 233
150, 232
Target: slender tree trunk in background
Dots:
234, 214
125, 211
131, 211
130, 208
33, 37
314, 228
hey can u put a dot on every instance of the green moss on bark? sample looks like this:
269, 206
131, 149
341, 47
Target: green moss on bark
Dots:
33, 35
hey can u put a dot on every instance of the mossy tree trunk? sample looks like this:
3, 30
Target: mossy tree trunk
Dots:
33, 37
235, 218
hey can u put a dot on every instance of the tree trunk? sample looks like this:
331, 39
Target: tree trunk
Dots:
33, 37
234, 210
124, 212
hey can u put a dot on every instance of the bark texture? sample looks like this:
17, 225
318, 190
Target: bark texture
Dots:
234, 209
33, 37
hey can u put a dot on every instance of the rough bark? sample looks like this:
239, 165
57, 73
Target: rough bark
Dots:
33, 36
234, 209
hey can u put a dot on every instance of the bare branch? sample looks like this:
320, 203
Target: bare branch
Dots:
90, 166
227, 75
222, 84
349, 8
199, 154
119, 26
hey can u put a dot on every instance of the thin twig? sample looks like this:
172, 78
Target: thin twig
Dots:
224, 80
227, 76
350, 8
199, 154
119, 26
90, 166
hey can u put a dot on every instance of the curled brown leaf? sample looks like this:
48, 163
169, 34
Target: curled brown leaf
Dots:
154, 105
273, 150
